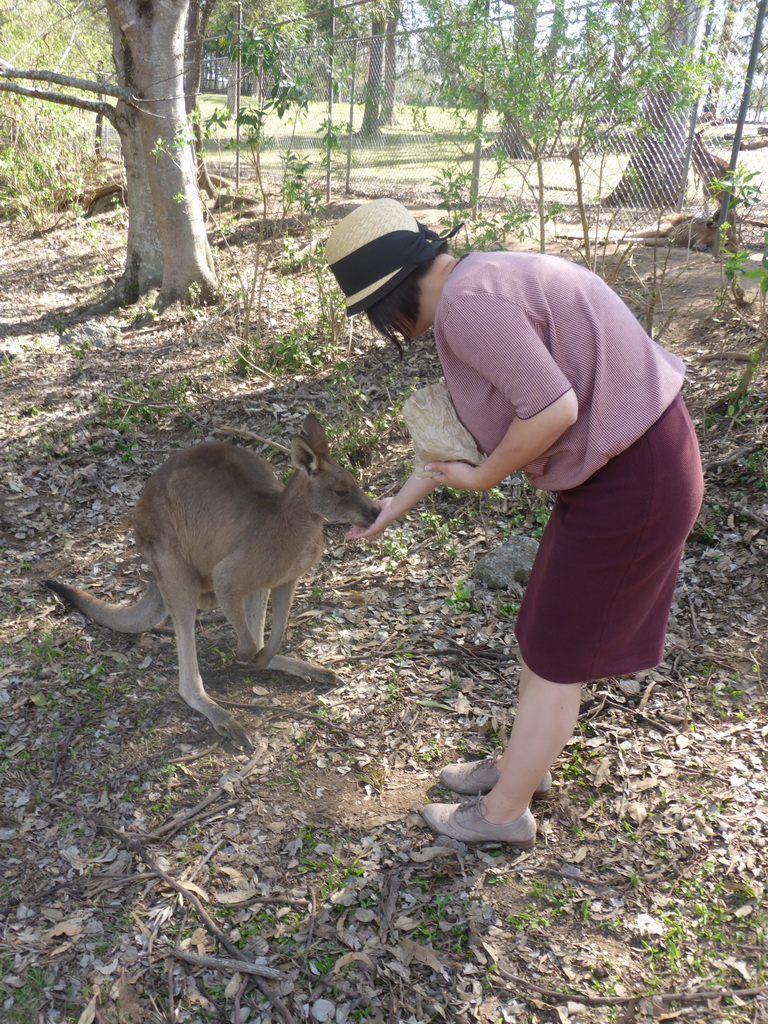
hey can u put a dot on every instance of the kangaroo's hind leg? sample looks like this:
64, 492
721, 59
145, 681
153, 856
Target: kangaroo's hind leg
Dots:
180, 592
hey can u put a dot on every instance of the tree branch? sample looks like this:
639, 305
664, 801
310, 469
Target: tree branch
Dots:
84, 84
55, 97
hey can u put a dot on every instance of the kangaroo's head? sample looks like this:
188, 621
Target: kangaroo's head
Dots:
332, 492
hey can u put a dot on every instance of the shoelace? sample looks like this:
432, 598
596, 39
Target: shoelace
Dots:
472, 806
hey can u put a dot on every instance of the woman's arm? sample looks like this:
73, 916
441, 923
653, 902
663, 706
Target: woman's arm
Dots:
412, 491
523, 442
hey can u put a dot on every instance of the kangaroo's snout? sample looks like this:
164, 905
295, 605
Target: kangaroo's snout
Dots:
364, 513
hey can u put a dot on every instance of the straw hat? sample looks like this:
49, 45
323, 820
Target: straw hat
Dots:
374, 248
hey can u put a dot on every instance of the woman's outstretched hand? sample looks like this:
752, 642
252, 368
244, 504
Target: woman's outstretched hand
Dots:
413, 490
385, 518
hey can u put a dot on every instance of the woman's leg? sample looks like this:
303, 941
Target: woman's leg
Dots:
545, 719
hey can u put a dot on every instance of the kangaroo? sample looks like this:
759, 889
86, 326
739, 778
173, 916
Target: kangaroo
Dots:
678, 229
684, 231
216, 526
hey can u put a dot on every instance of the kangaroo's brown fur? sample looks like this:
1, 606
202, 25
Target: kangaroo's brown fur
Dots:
216, 526
684, 231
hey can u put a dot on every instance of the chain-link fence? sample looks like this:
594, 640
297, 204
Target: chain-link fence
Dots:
380, 119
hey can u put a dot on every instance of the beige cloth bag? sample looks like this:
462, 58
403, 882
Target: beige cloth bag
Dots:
436, 430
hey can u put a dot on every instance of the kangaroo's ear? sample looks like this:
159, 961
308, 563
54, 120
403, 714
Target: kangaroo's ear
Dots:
304, 457
313, 433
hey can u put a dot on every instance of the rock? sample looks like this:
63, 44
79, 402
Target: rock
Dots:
88, 336
509, 563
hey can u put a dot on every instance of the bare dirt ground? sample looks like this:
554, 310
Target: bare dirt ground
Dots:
134, 844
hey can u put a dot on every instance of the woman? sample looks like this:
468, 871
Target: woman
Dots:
552, 374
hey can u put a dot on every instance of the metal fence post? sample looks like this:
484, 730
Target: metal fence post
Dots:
99, 116
329, 133
727, 196
351, 118
687, 158
238, 69
474, 188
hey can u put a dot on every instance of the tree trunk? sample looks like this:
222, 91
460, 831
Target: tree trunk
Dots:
371, 112
390, 72
198, 16
726, 35
197, 22
512, 140
144, 259
558, 33
619, 60
148, 48
654, 175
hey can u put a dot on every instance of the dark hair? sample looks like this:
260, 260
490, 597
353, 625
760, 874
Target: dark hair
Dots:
391, 315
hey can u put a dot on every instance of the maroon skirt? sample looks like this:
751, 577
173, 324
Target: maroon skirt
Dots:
601, 588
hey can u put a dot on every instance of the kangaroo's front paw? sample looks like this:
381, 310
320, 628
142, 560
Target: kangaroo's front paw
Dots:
246, 654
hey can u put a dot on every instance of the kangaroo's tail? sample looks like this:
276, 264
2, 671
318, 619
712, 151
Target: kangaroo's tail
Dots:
147, 612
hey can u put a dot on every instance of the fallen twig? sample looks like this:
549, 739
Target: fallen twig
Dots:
225, 964
194, 813
577, 879
734, 457
204, 860
389, 903
279, 711
63, 749
162, 406
217, 793
749, 514
197, 755
237, 955
137, 847
250, 436
716, 357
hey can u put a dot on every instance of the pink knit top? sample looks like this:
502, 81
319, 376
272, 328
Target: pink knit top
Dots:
515, 331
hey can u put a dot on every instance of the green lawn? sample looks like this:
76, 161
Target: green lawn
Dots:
423, 144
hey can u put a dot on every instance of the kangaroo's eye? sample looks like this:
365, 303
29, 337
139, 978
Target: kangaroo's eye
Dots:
341, 494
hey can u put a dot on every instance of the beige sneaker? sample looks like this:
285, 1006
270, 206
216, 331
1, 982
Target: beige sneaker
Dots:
467, 822
473, 778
